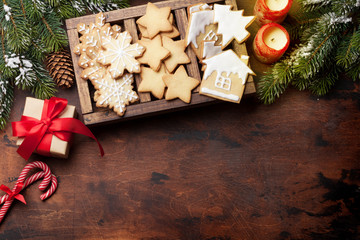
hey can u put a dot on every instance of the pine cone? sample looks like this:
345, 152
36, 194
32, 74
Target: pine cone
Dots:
60, 67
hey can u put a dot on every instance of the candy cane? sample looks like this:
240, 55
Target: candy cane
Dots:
37, 164
33, 179
46, 174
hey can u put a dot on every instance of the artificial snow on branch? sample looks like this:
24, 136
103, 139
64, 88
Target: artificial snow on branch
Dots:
29, 31
329, 37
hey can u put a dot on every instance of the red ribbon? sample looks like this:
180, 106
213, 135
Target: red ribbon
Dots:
15, 193
38, 133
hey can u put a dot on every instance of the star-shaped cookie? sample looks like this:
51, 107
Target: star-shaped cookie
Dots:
120, 54
179, 85
178, 55
231, 24
152, 81
156, 20
154, 53
172, 34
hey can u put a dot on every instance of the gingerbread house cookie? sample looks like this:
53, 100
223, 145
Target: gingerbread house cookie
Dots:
201, 27
225, 76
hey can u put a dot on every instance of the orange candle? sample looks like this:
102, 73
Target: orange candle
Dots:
270, 43
267, 11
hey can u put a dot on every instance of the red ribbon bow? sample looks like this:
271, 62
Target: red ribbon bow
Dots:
15, 193
38, 133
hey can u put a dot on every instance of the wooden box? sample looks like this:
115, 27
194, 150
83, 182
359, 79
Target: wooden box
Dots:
146, 105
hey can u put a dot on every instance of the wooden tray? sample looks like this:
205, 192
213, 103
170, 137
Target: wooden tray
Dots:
146, 106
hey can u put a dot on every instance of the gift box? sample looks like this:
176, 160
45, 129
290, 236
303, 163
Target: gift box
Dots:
46, 127
33, 108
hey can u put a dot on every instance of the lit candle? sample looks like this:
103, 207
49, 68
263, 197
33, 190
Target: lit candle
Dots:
270, 43
267, 11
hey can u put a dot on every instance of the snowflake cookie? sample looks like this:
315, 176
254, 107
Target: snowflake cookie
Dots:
115, 93
119, 54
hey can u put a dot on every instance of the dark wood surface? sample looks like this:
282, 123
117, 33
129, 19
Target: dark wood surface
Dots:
286, 171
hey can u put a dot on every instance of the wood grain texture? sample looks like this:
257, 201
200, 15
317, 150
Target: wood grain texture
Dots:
193, 67
83, 88
133, 12
288, 171
130, 26
225, 171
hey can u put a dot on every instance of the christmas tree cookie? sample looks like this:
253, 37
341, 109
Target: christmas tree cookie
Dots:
231, 24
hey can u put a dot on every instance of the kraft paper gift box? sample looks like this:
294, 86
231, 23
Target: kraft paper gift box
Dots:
33, 108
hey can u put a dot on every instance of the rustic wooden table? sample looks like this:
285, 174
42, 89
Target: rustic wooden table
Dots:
226, 171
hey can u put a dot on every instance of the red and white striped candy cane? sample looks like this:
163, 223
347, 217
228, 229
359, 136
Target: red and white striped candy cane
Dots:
46, 174
47, 177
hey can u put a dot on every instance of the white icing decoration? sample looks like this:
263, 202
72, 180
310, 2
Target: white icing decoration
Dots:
231, 24
101, 20
211, 35
197, 25
82, 28
223, 83
199, 7
245, 57
227, 62
118, 91
122, 54
209, 49
232, 97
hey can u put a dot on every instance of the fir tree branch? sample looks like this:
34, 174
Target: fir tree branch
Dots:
6, 100
275, 82
318, 48
23, 8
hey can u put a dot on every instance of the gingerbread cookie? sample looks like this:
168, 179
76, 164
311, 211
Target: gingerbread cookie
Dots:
209, 49
115, 94
179, 85
201, 27
172, 34
119, 54
156, 20
177, 56
225, 76
152, 81
154, 53
94, 71
231, 24
84, 60
198, 7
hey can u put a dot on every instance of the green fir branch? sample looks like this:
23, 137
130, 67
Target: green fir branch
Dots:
44, 86
29, 30
322, 83
17, 34
52, 34
274, 83
348, 50
6, 100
